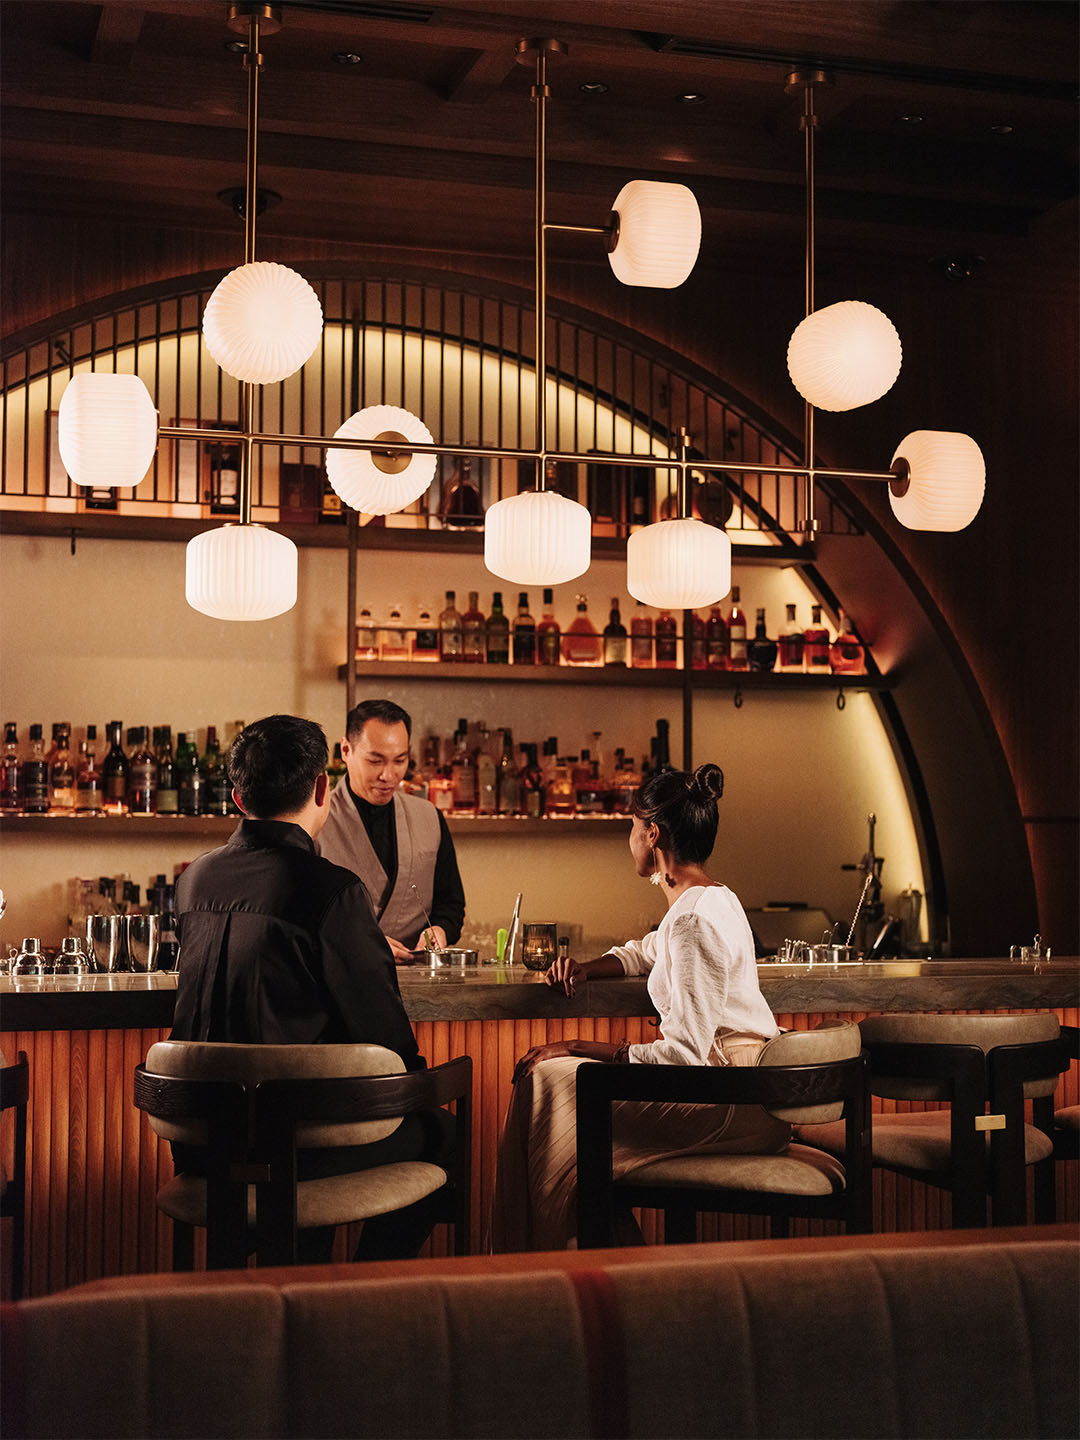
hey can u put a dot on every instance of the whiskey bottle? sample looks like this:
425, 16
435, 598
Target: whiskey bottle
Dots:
737, 656
463, 770
816, 644
114, 771
847, 656
450, 635
89, 798
497, 633
581, 644
10, 793
367, 636
615, 638
461, 507
62, 773
485, 775
791, 643
34, 776
142, 776
716, 640
426, 640
532, 784
667, 632
761, 651
641, 639
524, 633
548, 638
168, 797
392, 641
508, 783
474, 632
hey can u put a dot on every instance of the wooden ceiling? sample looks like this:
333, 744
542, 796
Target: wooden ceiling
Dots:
951, 127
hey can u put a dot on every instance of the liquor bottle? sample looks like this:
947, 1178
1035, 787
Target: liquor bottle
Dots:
426, 641
581, 644
189, 786
485, 775
367, 637
508, 782
816, 644
168, 954
791, 644
215, 780
336, 769
89, 796
62, 773
474, 632
532, 784
450, 634
716, 640
547, 634
642, 496
560, 788
667, 631
34, 776
10, 793
641, 639
846, 655
761, 651
615, 638
524, 633
463, 770
224, 478
497, 633
737, 656
168, 797
142, 776
461, 507
393, 643
114, 771
661, 746
50, 754
697, 642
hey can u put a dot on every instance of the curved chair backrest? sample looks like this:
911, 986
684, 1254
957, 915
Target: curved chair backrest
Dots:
832, 1040
982, 1031
251, 1064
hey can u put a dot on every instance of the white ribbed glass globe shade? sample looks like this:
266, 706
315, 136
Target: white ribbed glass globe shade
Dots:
241, 572
678, 564
844, 356
538, 538
659, 234
946, 480
357, 478
107, 429
262, 323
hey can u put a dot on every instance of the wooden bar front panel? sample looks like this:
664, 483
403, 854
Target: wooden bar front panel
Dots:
94, 1166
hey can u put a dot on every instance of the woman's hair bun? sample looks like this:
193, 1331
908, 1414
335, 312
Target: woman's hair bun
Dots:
709, 781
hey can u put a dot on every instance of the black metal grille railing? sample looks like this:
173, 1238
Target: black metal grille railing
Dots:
460, 358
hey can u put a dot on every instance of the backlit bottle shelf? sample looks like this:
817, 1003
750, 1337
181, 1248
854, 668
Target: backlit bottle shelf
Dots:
611, 675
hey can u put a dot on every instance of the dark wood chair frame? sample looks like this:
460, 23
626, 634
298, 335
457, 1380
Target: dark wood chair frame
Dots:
15, 1095
774, 1086
251, 1140
975, 1082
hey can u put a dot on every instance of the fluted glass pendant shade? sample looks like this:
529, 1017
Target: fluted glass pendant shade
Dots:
380, 483
659, 234
538, 538
108, 429
946, 480
241, 572
844, 356
262, 322
678, 564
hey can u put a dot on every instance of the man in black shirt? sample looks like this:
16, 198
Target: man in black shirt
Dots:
398, 844
279, 946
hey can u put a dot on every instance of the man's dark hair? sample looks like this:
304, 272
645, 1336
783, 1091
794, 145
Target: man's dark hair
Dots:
384, 710
274, 764
682, 804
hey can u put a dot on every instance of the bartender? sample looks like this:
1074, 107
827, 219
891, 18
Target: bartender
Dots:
398, 844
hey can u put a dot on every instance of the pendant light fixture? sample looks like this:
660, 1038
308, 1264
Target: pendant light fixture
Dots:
107, 429
262, 323
244, 571
682, 563
381, 482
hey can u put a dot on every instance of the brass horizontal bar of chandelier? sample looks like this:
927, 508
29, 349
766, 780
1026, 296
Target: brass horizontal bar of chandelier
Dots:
504, 452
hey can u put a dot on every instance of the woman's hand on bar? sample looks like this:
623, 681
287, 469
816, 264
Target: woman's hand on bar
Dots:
565, 971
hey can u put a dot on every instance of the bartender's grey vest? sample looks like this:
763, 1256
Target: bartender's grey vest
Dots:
344, 840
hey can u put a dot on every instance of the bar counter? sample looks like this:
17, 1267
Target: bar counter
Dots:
94, 1166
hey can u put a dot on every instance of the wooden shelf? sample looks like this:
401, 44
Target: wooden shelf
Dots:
601, 675
138, 827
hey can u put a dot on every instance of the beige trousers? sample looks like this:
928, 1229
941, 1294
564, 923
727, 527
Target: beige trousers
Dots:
534, 1207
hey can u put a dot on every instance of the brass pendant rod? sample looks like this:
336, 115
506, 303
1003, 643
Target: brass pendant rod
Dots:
682, 446
578, 229
809, 120
540, 97
252, 64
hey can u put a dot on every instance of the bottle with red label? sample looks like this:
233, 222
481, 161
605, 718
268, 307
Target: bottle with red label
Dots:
737, 656
816, 644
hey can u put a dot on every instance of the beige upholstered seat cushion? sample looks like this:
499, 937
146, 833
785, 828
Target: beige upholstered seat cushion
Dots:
985, 1031
251, 1064
333, 1200
1068, 1120
799, 1170
832, 1040
915, 1142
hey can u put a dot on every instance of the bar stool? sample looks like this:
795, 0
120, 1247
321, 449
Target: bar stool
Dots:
1064, 1132
809, 1075
14, 1095
250, 1108
974, 1063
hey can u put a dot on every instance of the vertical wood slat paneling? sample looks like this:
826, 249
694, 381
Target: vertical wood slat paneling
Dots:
94, 1166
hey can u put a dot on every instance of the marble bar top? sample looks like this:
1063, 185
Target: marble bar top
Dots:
105, 1002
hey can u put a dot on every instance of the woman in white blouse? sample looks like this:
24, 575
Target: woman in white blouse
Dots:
703, 982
